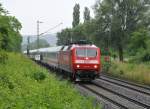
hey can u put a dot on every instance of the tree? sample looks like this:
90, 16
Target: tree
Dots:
13, 37
42, 44
139, 40
78, 33
76, 15
86, 14
14, 34
139, 45
64, 37
120, 18
2, 10
4, 40
10, 37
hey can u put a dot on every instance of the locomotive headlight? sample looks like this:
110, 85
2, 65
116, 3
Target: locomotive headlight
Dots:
78, 66
95, 66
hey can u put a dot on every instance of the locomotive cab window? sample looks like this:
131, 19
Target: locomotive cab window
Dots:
86, 52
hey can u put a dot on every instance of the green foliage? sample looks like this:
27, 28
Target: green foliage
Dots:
42, 43
5, 82
2, 10
64, 36
86, 14
3, 57
139, 73
10, 38
78, 33
141, 56
24, 85
76, 15
138, 40
4, 39
106, 66
39, 76
145, 56
119, 17
139, 46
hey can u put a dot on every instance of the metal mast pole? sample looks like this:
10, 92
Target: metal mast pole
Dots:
28, 45
38, 35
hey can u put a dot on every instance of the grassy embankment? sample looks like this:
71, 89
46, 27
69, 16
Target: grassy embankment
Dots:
25, 85
136, 72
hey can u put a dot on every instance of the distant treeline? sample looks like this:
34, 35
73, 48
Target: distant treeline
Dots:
10, 37
33, 45
123, 26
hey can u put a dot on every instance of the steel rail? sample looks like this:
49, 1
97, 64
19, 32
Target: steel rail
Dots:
147, 106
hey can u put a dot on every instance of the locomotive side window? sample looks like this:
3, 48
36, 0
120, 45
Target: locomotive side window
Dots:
86, 52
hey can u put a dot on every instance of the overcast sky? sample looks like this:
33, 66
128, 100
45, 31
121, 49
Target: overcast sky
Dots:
51, 12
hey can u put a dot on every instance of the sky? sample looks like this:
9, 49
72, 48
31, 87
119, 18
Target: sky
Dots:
50, 12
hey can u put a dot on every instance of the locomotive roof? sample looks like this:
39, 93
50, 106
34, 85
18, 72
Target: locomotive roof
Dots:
76, 45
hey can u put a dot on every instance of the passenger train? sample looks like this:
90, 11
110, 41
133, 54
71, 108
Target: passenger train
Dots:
79, 61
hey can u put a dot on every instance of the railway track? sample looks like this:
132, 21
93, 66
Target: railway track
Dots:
119, 93
136, 87
113, 98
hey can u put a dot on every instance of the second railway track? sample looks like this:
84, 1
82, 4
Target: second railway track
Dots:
130, 85
119, 100
122, 94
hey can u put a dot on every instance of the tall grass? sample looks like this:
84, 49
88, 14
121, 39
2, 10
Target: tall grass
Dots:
139, 73
25, 85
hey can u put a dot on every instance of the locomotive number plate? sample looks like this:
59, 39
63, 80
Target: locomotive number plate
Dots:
87, 61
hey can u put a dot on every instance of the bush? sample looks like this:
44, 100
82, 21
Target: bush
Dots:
39, 76
141, 56
145, 56
136, 72
3, 57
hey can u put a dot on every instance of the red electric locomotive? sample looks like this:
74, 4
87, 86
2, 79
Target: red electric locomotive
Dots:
81, 61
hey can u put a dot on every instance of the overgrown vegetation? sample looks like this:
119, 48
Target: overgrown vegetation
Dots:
139, 46
24, 85
139, 73
3, 57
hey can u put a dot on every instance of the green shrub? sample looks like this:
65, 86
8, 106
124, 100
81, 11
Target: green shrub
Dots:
39, 76
5, 82
106, 66
136, 72
145, 56
3, 57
